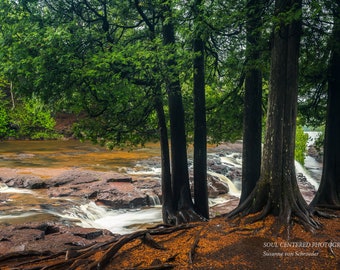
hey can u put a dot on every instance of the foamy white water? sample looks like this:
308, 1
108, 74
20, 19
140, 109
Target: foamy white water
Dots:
231, 160
91, 215
233, 190
5, 189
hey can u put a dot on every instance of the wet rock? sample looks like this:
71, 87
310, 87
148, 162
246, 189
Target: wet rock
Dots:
25, 181
78, 177
86, 233
216, 187
315, 153
113, 190
75, 177
52, 237
306, 188
3, 198
234, 174
231, 202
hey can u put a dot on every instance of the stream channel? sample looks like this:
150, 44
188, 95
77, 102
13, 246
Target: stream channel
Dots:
49, 158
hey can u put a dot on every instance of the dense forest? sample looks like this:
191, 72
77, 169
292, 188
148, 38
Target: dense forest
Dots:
182, 72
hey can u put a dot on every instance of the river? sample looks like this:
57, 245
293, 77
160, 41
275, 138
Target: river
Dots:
49, 158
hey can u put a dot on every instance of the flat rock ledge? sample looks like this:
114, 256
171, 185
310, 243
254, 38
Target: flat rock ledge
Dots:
49, 237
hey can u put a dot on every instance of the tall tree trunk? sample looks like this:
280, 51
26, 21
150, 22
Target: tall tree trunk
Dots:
328, 194
12, 95
200, 126
167, 202
277, 192
183, 205
252, 121
167, 197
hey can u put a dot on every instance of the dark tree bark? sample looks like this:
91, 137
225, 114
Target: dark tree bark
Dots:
167, 198
200, 126
182, 202
167, 204
328, 194
252, 121
277, 192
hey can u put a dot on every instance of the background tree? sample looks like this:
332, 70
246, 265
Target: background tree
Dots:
182, 201
4, 117
315, 51
252, 121
328, 194
277, 192
200, 125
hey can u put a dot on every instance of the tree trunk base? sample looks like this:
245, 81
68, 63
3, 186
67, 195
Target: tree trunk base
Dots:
182, 216
292, 209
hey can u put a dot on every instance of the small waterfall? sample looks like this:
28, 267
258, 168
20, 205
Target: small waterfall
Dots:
90, 215
232, 188
143, 170
312, 137
88, 211
230, 159
153, 200
3, 187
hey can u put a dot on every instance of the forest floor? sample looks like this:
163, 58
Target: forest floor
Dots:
216, 244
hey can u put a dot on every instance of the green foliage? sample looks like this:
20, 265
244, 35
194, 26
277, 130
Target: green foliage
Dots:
315, 52
300, 145
4, 118
67, 55
319, 142
33, 119
224, 115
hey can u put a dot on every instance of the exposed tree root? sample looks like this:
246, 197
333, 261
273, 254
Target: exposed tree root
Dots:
154, 267
22, 254
194, 245
148, 240
96, 256
325, 212
181, 216
328, 206
291, 210
186, 216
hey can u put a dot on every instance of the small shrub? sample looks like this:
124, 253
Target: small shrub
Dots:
33, 119
300, 145
4, 118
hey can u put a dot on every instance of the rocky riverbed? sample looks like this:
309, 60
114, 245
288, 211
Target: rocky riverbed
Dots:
125, 190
